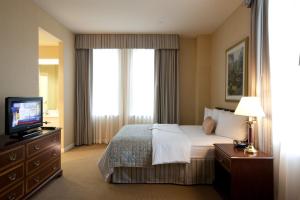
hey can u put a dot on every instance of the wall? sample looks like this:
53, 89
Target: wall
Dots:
187, 80
203, 74
51, 71
235, 29
19, 22
48, 52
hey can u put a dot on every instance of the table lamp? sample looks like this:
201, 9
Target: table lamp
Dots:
250, 107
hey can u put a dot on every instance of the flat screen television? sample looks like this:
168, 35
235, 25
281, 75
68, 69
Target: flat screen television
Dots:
23, 114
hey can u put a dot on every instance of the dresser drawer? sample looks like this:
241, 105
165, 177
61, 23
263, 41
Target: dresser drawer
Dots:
223, 160
42, 144
11, 176
12, 157
14, 193
43, 159
41, 175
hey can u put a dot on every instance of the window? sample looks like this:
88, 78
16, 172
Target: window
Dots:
142, 83
106, 82
110, 95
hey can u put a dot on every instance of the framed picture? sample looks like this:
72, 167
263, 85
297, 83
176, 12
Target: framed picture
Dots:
236, 71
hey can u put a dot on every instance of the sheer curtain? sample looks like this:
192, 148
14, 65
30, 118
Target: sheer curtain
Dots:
285, 72
106, 103
123, 90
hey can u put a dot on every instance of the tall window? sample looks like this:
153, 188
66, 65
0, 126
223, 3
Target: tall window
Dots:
111, 94
106, 82
142, 83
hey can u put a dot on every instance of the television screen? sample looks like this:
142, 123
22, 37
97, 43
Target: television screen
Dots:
23, 114
26, 113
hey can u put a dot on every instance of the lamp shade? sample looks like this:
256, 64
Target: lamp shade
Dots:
249, 106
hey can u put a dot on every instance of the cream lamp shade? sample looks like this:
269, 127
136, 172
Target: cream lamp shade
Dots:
249, 106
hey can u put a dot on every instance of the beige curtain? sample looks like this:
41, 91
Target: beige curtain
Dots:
260, 82
102, 128
83, 129
126, 41
166, 86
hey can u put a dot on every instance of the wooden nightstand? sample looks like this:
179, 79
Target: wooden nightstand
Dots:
239, 175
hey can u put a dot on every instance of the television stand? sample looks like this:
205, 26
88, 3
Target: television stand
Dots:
29, 164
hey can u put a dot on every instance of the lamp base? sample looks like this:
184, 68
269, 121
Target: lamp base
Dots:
250, 149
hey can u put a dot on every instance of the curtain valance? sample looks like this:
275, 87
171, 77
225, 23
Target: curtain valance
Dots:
127, 41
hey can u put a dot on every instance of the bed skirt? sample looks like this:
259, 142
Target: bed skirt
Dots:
199, 171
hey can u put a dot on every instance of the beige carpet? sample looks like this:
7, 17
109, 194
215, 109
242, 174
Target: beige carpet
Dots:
82, 180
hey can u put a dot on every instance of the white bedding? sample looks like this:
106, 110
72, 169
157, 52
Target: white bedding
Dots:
202, 144
170, 144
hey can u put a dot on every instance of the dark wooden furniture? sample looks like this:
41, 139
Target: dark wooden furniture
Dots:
28, 164
239, 175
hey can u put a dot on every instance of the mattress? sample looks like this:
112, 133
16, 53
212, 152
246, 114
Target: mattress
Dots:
202, 144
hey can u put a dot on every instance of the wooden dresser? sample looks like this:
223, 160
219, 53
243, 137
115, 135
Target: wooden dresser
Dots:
28, 164
239, 175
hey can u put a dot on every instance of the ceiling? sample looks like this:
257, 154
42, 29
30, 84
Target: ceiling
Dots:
184, 17
47, 39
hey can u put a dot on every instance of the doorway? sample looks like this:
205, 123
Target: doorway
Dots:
51, 79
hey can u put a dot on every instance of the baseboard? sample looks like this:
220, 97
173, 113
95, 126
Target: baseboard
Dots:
68, 148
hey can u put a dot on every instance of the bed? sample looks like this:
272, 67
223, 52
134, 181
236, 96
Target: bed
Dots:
128, 158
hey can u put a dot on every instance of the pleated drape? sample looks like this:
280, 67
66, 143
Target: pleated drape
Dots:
260, 84
92, 129
84, 79
166, 83
126, 41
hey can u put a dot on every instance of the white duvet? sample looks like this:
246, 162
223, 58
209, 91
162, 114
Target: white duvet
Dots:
170, 145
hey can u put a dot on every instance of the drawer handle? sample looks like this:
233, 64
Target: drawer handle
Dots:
54, 168
36, 147
12, 177
12, 156
36, 179
37, 163
54, 154
11, 196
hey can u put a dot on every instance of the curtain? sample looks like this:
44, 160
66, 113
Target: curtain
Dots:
106, 123
285, 72
83, 129
260, 70
126, 41
98, 129
166, 86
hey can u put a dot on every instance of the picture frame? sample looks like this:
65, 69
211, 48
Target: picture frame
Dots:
236, 72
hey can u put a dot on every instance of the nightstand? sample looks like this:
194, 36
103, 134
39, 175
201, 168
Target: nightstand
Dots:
239, 175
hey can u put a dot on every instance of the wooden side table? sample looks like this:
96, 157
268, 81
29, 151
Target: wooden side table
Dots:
239, 175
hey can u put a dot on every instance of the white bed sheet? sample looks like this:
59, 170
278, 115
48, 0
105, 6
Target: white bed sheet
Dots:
202, 144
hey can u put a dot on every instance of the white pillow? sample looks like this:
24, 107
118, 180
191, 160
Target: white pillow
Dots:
232, 126
210, 113
216, 113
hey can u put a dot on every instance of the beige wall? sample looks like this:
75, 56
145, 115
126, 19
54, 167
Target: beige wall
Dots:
51, 71
187, 80
48, 52
19, 22
235, 28
203, 74
207, 71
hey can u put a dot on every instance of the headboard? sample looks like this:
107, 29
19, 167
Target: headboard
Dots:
225, 109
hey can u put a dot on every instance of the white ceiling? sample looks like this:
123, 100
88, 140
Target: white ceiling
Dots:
47, 39
184, 17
